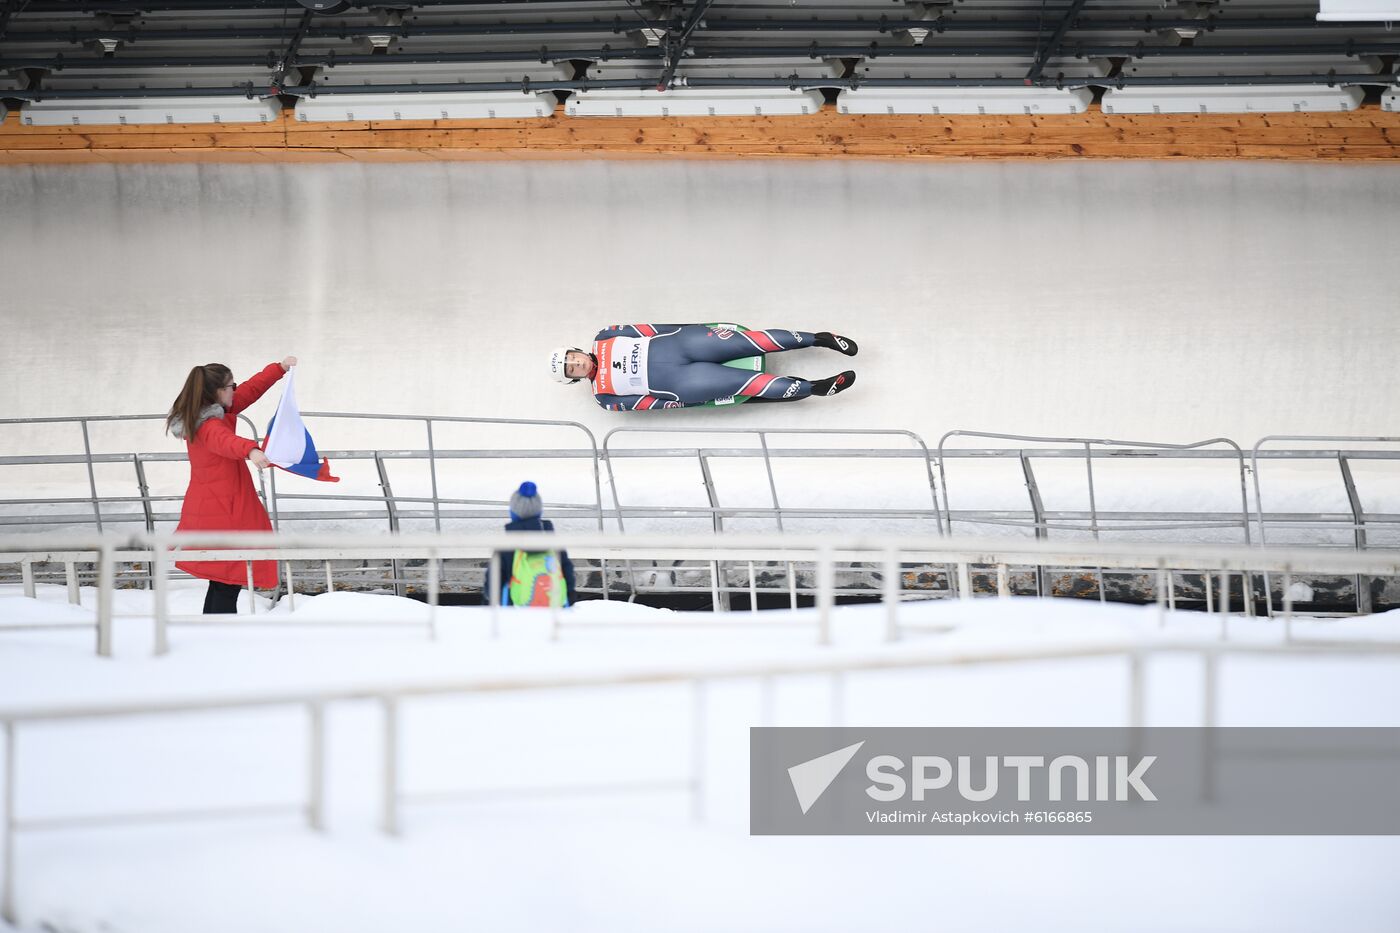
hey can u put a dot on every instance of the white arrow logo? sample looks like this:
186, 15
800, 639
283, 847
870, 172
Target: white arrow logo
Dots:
811, 778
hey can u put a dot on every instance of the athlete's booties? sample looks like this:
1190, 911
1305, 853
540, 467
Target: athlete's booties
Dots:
833, 385
836, 342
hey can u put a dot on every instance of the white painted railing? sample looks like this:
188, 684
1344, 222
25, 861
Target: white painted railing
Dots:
393, 696
959, 555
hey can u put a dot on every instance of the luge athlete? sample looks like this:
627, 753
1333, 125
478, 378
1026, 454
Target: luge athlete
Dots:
637, 367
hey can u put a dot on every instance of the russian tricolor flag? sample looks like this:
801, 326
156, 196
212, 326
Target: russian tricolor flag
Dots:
288, 444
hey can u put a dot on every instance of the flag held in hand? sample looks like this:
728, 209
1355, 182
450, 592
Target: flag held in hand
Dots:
288, 444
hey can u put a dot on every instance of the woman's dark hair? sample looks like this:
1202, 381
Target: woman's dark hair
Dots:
201, 390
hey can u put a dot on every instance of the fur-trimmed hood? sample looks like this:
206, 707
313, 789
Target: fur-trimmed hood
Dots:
177, 427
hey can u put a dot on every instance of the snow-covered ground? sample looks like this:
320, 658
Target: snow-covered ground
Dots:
636, 860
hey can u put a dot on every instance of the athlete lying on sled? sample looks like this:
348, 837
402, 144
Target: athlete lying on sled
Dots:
636, 367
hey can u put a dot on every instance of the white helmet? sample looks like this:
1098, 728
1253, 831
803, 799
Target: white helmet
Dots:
557, 357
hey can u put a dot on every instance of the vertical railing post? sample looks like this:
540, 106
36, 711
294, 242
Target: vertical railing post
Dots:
1358, 518
390, 803
432, 476
943, 481
272, 502
1258, 492
493, 596
964, 580
316, 766
1136, 690
1094, 514
291, 585
717, 604
1210, 688
1268, 594
92, 476
1287, 603
160, 595
1224, 604
434, 592
1161, 594
252, 595
105, 582
1093, 502
391, 506
26, 575
932, 486
1003, 581
1209, 714
893, 584
612, 488
597, 480
1244, 493
719, 595
772, 483
699, 739
267, 480
826, 594
145, 491
1042, 587
7, 829
711, 494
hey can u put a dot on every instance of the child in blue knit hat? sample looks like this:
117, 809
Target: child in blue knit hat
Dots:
534, 578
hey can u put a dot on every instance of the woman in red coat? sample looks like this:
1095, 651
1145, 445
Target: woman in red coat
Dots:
221, 496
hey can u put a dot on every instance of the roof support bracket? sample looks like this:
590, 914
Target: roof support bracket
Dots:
1043, 52
675, 46
289, 57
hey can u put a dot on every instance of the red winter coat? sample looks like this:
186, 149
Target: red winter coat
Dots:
221, 495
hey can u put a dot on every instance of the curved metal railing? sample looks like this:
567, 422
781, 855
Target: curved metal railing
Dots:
1041, 520
703, 455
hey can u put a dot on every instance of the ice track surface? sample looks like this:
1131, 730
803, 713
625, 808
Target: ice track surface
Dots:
1150, 301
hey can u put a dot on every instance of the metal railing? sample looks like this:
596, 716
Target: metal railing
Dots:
394, 503
1356, 520
1087, 449
718, 512
399, 511
1041, 519
393, 508
89, 459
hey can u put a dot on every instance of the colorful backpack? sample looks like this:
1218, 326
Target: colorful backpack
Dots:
537, 580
